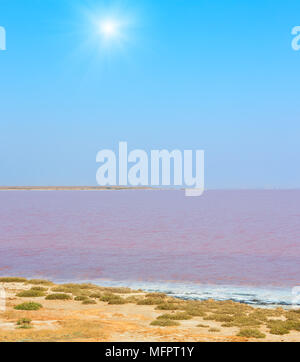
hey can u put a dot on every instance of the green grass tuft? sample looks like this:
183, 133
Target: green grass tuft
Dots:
214, 330
113, 299
39, 289
95, 295
150, 301
28, 306
176, 316
58, 296
80, 298
169, 306
164, 323
251, 333
23, 321
12, 280
89, 301
39, 282
156, 295
31, 294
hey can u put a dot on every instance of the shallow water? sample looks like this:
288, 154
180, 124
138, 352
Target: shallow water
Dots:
213, 244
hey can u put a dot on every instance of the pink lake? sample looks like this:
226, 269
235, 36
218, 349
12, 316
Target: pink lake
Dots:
223, 238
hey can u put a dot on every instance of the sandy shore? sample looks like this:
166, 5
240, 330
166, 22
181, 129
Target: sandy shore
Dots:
93, 313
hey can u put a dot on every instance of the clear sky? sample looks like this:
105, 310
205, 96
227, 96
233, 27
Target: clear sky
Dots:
189, 74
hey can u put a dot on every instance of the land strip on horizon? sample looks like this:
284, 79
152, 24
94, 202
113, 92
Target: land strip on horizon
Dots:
72, 188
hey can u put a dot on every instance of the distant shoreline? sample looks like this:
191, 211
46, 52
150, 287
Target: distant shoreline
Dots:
120, 188
72, 188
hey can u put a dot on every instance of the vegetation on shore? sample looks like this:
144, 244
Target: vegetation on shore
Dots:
245, 320
28, 306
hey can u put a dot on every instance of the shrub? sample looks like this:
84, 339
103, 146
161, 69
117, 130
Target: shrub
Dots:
61, 289
58, 296
202, 325
293, 315
133, 299
107, 296
168, 306
28, 306
80, 298
251, 333
260, 315
279, 327
39, 282
293, 325
279, 330
79, 286
214, 330
95, 295
25, 326
237, 321
220, 318
39, 289
12, 280
117, 301
150, 301
89, 301
119, 290
112, 299
23, 321
296, 311
156, 295
195, 312
31, 294
175, 316
164, 323
75, 289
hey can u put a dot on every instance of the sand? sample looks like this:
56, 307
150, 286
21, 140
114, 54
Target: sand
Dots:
72, 321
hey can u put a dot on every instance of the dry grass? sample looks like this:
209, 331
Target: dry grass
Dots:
39, 282
118, 290
31, 294
179, 316
89, 301
214, 330
111, 298
169, 306
39, 289
95, 295
12, 280
150, 301
164, 323
24, 323
133, 299
251, 333
156, 295
69, 330
58, 296
80, 298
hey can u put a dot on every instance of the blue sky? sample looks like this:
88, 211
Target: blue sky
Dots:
213, 75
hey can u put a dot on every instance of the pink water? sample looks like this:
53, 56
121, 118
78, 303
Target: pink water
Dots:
238, 238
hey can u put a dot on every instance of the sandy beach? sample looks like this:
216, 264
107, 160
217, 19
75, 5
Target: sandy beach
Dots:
86, 312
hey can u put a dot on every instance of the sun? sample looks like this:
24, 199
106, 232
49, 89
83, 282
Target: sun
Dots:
108, 31
109, 28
